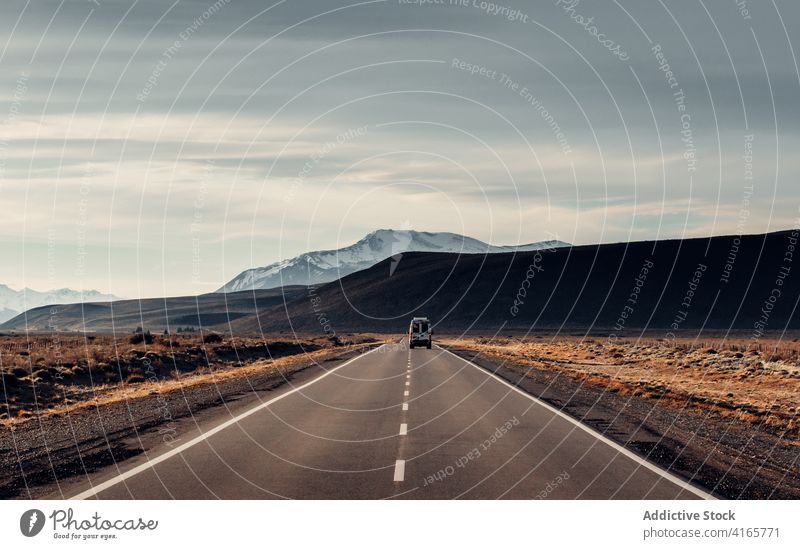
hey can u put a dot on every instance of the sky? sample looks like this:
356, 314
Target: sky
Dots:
155, 147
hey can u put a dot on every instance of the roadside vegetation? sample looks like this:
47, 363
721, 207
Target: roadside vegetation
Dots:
57, 373
758, 383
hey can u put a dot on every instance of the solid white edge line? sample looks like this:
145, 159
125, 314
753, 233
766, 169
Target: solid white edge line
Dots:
94, 490
618, 447
399, 470
405, 406
403, 429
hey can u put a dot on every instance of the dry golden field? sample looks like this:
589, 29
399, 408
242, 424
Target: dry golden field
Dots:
757, 383
59, 373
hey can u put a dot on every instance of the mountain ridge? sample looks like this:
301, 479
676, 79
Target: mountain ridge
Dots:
677, 284
15, 302
322, 266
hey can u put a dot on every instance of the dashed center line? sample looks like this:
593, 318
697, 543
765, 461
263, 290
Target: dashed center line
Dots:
399, 470
400, 464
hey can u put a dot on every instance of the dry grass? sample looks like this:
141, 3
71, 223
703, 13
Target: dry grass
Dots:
49, 374
281, 367
57, 350
759, 384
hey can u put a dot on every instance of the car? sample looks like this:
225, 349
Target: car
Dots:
420, 332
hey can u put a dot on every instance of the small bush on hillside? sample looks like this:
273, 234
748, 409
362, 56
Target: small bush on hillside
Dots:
212, 338
141, 337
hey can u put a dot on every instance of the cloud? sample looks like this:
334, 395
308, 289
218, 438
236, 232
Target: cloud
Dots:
508, 131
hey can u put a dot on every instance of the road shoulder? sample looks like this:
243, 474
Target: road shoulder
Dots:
702, 447
57, 453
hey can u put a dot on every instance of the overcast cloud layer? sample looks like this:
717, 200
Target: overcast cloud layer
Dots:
156, 148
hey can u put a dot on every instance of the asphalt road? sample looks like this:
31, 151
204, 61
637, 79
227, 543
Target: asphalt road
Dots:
393, 423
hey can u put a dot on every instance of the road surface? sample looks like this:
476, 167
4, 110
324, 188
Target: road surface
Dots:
393, 423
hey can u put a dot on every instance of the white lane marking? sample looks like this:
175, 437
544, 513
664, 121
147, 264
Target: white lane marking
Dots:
94, 490
403, 429
408, 383
408, 376
405, 393
399, 470
621, 449
405, 406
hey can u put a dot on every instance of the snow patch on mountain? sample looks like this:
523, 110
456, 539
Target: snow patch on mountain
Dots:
329, 265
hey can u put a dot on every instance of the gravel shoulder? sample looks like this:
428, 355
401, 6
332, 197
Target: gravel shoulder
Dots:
727, 456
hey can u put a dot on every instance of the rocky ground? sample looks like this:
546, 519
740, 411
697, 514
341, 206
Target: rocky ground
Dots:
723, 415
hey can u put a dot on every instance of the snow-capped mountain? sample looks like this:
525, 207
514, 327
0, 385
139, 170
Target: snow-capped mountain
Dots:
14, 302
329, 265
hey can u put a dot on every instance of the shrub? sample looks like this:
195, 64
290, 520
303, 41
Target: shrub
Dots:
212, 338
8, 380
141, 337
43, 375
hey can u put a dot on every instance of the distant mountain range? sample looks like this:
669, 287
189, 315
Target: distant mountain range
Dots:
313, 268
672, 286
209, 311
14, 302
675, 286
